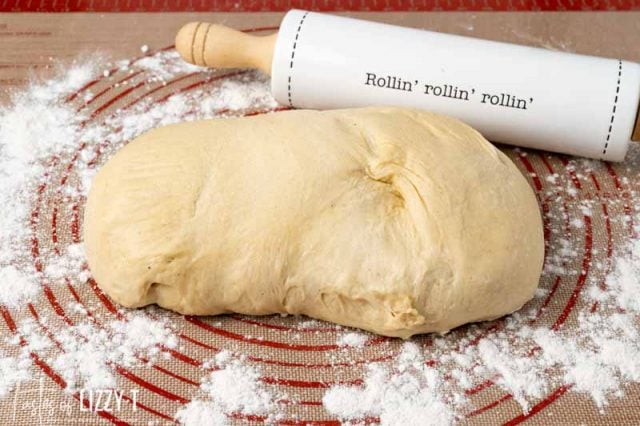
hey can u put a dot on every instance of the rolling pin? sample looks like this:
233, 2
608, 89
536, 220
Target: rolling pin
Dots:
525, 96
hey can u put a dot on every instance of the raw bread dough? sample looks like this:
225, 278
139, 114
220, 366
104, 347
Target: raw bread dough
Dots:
392, 220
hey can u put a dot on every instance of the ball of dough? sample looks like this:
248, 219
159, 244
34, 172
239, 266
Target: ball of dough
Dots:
392, 220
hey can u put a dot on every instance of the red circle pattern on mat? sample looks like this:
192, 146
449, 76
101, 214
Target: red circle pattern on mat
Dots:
268, 341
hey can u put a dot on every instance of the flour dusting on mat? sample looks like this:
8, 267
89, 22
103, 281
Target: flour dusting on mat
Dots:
45, 131
353, 339
12, 372
33, 127
90, 350
17, 285
624, 282
72, 260
411, 393
232, 390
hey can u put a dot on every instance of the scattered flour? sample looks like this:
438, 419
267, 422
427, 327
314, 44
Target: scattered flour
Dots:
33, 126
353, 339
12, 372
199, 413
89, 352
410, 394
604, 353
16, 285
162, 67
514, 373
59, 266
307, 324
233, 389
624, 282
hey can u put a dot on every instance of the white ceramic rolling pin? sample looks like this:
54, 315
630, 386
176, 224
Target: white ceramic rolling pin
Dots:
525, 96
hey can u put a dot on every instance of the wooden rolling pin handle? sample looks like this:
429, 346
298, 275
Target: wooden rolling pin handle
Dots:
217, 46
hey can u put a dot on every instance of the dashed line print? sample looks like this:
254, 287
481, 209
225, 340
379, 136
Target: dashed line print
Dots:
615, 107
293, 55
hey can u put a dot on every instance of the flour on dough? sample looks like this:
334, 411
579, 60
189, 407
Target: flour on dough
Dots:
392, 220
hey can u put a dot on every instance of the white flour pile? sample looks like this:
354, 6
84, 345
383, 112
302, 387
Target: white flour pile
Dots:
412, 394
34, 127
72, 260
352, 339
597, 356
233, 389
12, 372
23, 285
89, 351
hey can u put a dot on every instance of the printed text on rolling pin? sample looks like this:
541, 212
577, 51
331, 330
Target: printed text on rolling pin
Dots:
506, 100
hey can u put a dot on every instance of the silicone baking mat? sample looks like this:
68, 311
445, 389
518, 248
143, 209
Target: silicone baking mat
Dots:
303, 363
